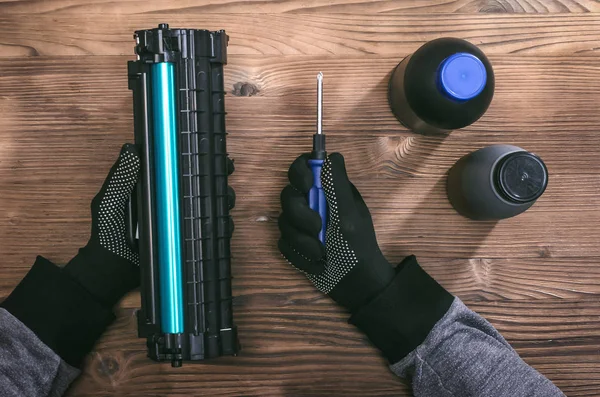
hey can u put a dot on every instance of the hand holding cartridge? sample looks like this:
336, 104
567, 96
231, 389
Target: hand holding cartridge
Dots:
108, 267
350, 268
69, 308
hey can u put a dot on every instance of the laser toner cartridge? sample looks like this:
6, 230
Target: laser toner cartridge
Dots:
181, 209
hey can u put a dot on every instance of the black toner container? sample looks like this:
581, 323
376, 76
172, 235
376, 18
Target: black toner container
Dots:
496, 182
446, 84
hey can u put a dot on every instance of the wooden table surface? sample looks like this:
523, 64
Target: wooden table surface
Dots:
65, 110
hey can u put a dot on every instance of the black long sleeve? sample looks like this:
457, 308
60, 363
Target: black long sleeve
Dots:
48, 324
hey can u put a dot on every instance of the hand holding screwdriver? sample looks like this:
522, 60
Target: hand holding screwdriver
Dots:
348, 265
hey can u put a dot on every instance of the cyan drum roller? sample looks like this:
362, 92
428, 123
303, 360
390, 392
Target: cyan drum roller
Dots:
181, 208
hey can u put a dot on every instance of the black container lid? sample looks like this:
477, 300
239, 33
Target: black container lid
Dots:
522, 177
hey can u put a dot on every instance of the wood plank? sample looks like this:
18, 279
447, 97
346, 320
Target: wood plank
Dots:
268, 281
58, 224
306, 347
447, 235
265, 278
59, 7
480, 279
84, 91
303, 34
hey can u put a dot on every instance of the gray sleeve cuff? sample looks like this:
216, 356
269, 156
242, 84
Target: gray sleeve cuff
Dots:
27, 366
464, 355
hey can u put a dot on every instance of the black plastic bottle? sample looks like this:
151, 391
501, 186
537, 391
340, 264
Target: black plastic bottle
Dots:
446, 84
496, 182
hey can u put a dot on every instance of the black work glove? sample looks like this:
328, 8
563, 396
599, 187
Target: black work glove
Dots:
107, 266
395, 308
350, 268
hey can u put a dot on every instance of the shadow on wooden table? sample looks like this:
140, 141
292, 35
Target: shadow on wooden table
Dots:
435, 229
403, 184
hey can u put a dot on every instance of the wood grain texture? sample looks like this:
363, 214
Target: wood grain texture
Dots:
57, 7
263, 277
306, 34
401, 175
304, 347
66, 111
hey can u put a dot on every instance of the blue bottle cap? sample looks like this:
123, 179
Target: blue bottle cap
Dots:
462, 76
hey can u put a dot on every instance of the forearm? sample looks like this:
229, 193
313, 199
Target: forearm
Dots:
443, 347
47, 326
464, 355
27, 366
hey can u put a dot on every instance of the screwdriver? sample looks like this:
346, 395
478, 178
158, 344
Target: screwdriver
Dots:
316, 195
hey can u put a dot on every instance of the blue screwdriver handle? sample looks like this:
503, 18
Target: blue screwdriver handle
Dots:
316, 196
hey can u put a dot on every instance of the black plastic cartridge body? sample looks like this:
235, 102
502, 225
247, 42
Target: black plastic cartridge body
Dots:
180, 213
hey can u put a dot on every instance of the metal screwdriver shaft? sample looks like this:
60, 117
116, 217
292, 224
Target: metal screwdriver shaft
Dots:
316, 195
320, 103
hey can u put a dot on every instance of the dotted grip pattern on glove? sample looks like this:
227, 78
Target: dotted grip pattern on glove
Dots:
340, 257
109, 216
